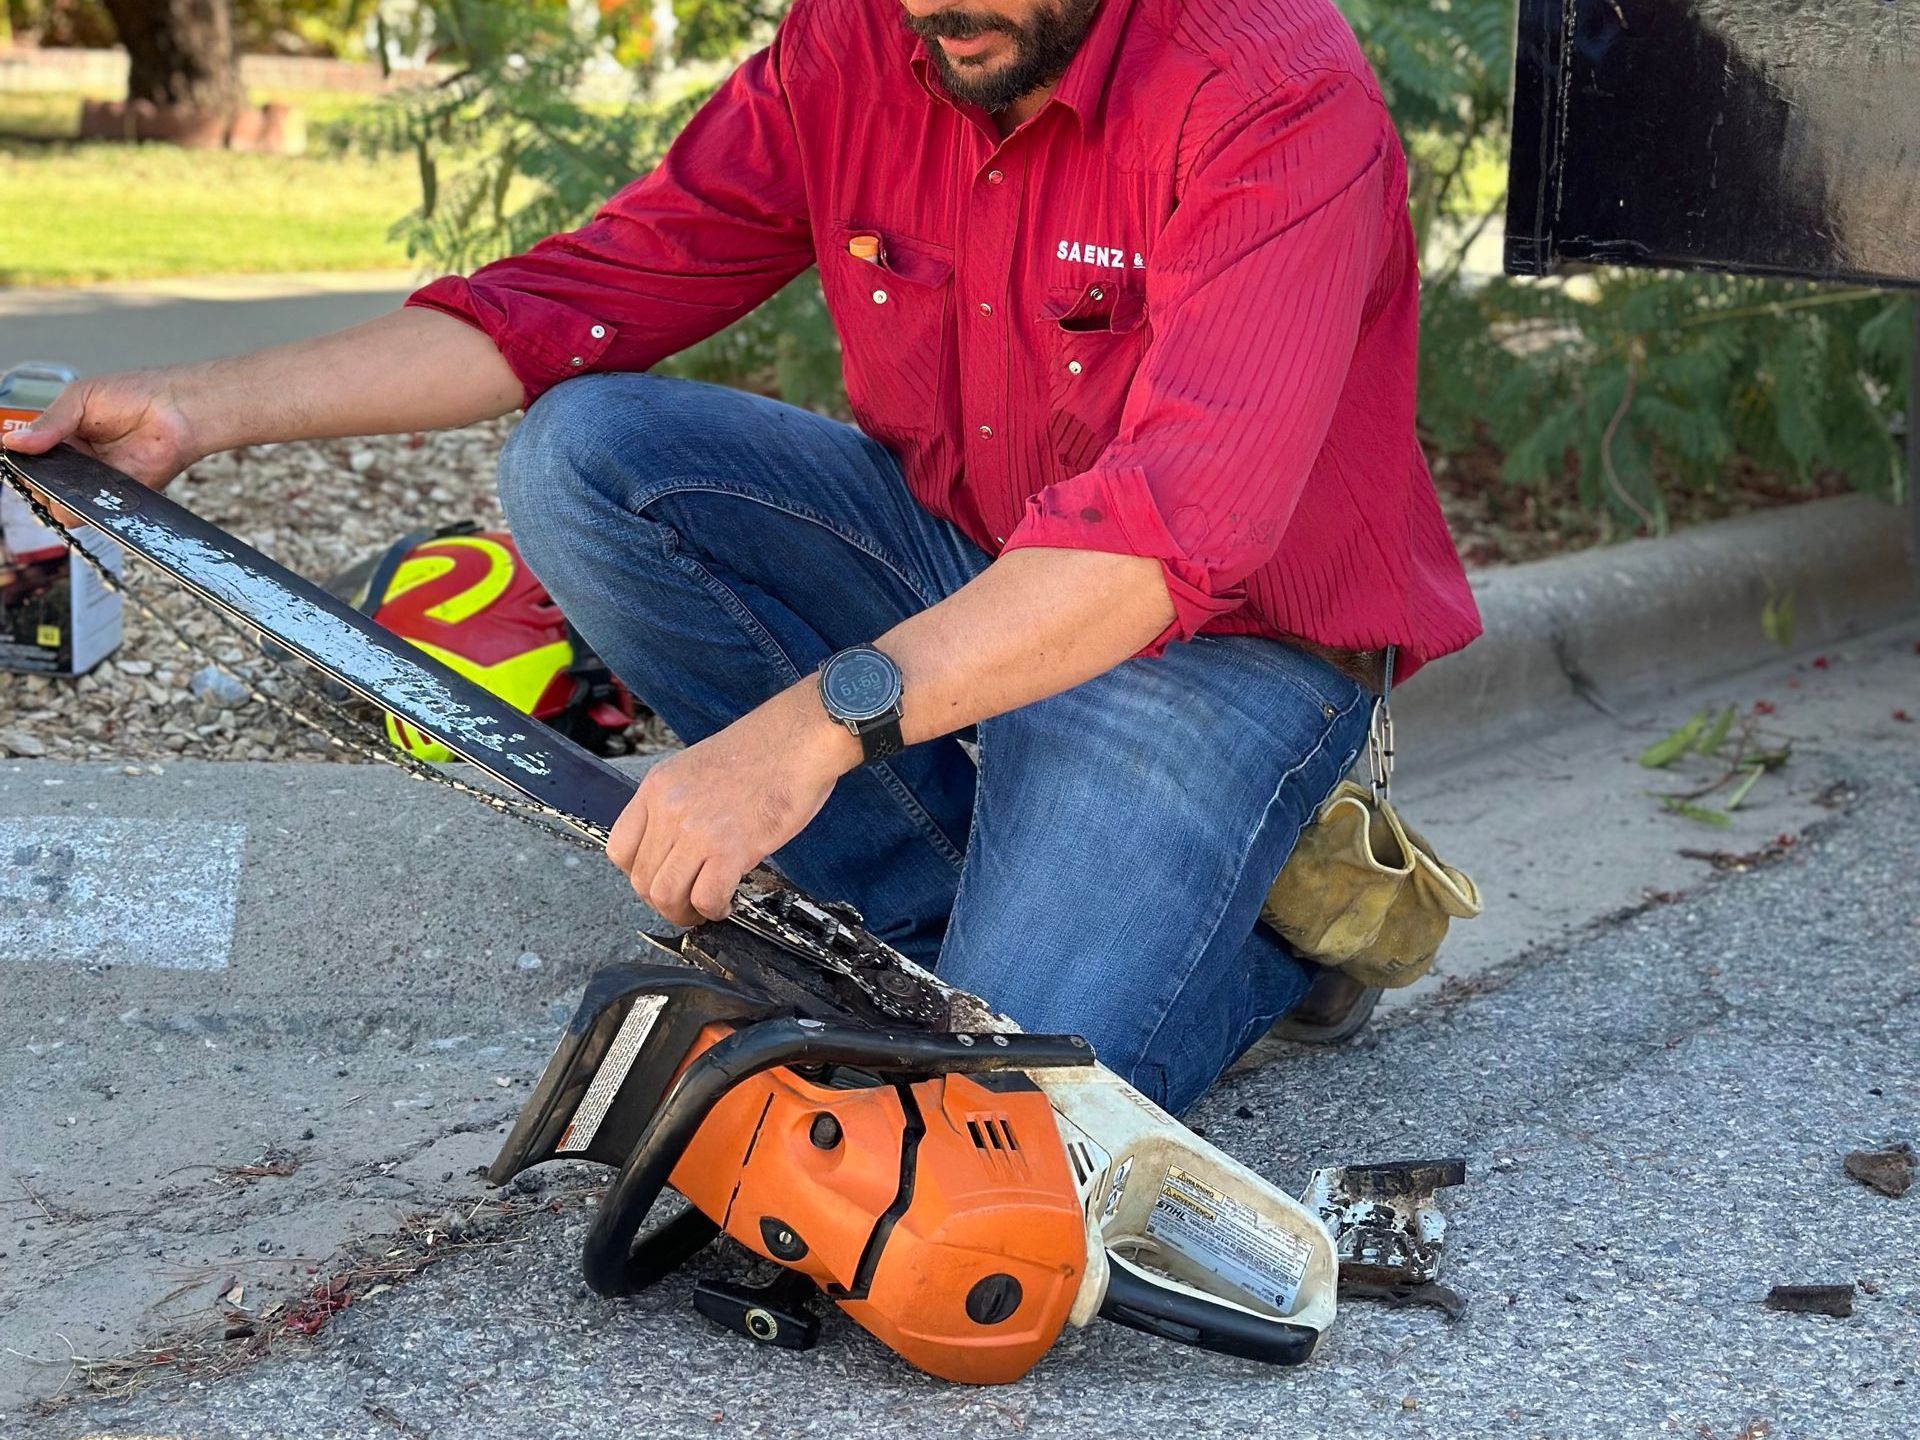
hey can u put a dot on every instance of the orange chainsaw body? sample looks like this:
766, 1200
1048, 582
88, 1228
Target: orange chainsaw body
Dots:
941, 1215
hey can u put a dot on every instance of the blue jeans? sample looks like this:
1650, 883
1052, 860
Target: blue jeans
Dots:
1100, 873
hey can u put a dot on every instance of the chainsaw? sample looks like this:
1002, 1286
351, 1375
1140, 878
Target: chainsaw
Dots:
960, 1189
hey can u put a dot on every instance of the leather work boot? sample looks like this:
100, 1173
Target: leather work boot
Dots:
1332, 1011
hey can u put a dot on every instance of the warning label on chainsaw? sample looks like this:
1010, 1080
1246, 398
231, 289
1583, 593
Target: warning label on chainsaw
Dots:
611, 1075
1231, 1239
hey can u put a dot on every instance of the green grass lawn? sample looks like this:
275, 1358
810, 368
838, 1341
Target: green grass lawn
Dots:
77, 214
40, 117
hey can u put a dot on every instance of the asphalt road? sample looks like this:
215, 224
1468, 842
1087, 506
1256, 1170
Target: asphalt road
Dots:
255, 1014
224, 969
256, 1018
102, 328
1654, 1117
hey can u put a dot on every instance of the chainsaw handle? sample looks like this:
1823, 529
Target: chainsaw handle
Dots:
1138, 1301
615, 1264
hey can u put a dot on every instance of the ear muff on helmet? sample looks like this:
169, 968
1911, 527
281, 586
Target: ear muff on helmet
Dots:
465, 597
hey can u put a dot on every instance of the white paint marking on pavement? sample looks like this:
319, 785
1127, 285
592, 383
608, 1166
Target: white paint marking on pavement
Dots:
119, 892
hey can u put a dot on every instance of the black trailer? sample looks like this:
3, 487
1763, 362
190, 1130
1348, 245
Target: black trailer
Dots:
1765, 137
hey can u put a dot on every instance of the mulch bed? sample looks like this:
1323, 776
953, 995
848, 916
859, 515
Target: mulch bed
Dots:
318, 506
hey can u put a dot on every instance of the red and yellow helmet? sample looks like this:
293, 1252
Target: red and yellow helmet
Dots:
465, 597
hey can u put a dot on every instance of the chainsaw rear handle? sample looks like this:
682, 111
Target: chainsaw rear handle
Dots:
612, 1260
1139, 1302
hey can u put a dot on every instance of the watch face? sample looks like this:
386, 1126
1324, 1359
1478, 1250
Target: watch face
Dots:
860, 684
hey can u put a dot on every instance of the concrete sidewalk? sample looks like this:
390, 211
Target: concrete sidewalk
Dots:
101, 328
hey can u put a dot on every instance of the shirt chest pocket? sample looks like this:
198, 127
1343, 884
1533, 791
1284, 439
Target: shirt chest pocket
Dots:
890, 297
1094, 336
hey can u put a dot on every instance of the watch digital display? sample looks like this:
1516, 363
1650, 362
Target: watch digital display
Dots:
860, 684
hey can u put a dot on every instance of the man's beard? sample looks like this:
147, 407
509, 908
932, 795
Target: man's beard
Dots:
1042, 49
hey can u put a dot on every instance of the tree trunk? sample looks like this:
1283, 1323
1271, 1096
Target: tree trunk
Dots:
181, 54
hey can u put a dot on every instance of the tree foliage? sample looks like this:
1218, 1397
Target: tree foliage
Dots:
508, 155
1653, 383
1638, 385
84, 23
1444, 70
716, 29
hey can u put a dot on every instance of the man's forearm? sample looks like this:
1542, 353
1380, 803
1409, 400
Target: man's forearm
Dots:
1034, 623
415, 369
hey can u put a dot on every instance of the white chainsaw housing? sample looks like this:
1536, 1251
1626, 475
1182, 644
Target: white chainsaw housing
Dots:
1161, 1199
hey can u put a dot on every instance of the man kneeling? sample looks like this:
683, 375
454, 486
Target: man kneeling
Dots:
1128, 300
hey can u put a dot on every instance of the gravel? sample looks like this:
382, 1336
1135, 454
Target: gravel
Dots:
316, 506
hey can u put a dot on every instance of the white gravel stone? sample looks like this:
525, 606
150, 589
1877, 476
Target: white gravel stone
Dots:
214, 684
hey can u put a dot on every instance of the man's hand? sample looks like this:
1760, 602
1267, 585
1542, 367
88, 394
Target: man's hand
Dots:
134, 421
414, 369
706, 816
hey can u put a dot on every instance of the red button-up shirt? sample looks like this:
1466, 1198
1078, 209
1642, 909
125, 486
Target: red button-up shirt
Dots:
1172, 315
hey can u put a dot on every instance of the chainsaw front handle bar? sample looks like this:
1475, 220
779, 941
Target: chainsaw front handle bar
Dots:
1138, 1301
616, 1265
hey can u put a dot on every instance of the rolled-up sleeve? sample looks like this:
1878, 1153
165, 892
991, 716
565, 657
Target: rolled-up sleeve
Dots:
717, 227
1255, 293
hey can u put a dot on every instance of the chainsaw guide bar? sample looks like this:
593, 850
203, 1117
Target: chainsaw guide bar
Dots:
334, 638
961, 1189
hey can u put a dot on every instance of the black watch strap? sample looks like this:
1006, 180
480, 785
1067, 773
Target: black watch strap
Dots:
880, 739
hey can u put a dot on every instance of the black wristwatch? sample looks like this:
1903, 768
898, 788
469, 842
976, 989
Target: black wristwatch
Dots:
860, 687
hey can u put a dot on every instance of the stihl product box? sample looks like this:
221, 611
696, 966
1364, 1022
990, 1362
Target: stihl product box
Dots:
56, 616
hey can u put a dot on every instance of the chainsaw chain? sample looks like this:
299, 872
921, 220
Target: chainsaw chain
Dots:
833, 937
339, 727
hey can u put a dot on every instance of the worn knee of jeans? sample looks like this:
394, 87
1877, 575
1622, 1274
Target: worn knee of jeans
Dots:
562, 474
539, 468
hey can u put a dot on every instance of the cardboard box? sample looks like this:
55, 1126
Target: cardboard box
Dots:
56, 616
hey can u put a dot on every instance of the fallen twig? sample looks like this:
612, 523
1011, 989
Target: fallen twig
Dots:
381, 1412
1774, 850
39, 1204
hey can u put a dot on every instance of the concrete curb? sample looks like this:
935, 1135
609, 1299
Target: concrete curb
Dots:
1633, 622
